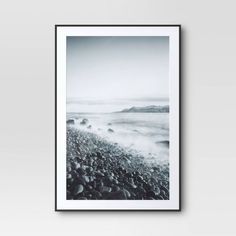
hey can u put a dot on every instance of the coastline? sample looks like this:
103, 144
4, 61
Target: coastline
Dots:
99, 170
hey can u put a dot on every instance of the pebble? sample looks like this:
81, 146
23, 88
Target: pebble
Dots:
100, 170
77, 166
69, 176
99, 174
139, 178
105, 189
86, 178
127, 193
84, 121
115, 188
82, 198
78, 189
118, 195
70, 122
96, 194
99, 155
81, 171
157, 191
151, 194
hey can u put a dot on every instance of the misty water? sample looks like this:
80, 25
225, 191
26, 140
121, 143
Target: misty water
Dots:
144, 133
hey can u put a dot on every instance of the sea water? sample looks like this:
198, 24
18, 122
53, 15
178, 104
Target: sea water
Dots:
144, 133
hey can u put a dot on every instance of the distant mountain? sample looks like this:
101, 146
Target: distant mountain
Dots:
147, 109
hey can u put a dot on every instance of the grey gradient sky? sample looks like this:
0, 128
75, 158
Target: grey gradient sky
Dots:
104, 68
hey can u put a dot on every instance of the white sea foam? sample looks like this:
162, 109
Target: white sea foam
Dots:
145, 133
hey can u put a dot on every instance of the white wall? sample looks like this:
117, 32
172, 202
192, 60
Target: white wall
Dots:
27, 117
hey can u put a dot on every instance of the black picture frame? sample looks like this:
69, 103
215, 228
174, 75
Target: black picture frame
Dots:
57, 26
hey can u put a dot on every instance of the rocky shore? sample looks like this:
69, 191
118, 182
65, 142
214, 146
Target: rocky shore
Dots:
99, 170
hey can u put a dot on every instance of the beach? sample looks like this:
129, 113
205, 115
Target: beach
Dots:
98, 169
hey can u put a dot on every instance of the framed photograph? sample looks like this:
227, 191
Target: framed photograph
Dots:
117, 117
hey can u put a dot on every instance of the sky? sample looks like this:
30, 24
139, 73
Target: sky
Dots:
119, 67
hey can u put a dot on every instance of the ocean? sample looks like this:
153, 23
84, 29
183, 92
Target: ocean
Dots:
146, 134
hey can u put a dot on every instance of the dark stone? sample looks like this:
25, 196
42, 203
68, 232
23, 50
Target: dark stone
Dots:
82, 198
68, 195
139, 178
127, 193
81, 171
78, 189
98, 174
128, 175
151, 194
105, 189
96, 194
80, 180
115, 188
133, 195
77, 166
164, 189
115, 181
150, 198
157, 191
99, 155
110, 130
86, 178
70, 122
136, 173
165, 143
147, 187
69, 176
90, 169
89, 187
118, 195
84, 121
159, 197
